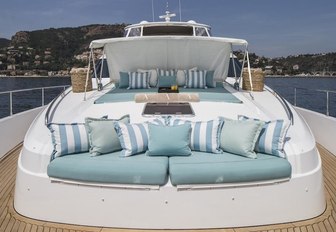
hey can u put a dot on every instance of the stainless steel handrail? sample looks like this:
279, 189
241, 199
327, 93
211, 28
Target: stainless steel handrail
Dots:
31, 89
284, 104
48, 118
315, 90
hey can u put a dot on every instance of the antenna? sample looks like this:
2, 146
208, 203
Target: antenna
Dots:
168, 15
180, 10
153, 9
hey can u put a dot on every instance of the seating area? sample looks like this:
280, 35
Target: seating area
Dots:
218, 151
198, 168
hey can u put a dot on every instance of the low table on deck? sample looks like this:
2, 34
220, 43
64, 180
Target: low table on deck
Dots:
170, 108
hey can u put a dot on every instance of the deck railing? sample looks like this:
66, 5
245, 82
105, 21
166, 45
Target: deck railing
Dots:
42, 89
327, 94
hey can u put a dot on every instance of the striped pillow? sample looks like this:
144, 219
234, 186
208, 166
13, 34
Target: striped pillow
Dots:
204, 135
196, 79
272, 137
162, 72
68, 138
161, 121
133, 137
139, 80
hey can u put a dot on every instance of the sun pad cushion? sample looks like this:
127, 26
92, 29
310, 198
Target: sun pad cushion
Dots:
111, 168
205, 168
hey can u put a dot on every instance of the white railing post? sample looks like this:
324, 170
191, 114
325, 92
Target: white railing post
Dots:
10, 103
42, 92
327, 103
294, 96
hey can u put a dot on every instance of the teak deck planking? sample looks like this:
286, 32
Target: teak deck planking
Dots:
12, 221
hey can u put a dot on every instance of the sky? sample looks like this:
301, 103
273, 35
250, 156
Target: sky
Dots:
273, 28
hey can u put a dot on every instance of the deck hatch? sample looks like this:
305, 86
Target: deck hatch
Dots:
176, 108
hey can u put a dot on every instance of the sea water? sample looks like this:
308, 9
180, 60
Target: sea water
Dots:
306, 97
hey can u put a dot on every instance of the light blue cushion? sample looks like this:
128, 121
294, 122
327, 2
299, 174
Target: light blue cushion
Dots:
196, 79
124, 80
167, 81
240, 137
204, 134
133, 137
169, 140
68, 138
111, 169
272, 136
210, 79
162, 72
138, 80
102, 136
202, 168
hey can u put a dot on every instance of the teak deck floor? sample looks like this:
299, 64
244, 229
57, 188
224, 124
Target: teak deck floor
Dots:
12, 221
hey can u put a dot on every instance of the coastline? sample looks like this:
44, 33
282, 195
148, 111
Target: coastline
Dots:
36, 76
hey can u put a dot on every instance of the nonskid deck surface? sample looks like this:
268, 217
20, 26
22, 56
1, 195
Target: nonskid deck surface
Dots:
12, 221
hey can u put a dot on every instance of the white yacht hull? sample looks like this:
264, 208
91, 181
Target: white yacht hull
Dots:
167, 207
322, 126
14, 128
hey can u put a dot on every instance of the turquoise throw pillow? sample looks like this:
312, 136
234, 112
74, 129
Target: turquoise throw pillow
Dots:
272, 136
240, 137
102, 136
209, 79
169, 140
167, 81
124, 80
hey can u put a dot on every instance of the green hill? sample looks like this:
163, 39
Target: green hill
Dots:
64, 43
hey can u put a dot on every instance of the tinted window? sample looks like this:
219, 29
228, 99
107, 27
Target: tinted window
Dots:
200, 31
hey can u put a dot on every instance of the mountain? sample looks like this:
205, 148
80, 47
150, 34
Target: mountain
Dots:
62, 44
4, 42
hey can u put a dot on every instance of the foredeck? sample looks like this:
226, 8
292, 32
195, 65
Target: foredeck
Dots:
12, 221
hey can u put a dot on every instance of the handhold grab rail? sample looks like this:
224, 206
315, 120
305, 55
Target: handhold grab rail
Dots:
10, 92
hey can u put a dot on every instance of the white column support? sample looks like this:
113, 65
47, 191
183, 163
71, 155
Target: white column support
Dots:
87, 75
249, 68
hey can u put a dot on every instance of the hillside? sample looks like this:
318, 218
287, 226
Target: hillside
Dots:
54, 49
41, 51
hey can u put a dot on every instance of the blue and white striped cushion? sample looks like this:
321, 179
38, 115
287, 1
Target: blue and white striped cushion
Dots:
162, 72
133, 137
68, 138
204, 135
139, 80
161, 121
272, 136
196, 79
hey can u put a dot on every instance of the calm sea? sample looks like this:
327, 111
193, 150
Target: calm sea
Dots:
285, 86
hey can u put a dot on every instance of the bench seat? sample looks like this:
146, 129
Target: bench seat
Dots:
111, 168
205, 168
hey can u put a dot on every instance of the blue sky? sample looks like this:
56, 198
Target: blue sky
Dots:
272, 28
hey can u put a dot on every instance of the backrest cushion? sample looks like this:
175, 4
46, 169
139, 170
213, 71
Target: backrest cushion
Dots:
139, 80
196, 79
181, 76
210, 83
239, 137
169, 140
68, 138
124, 80
102, 135
162, 72
166, 81
133, 137
204, 134
272, 136
153, 80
